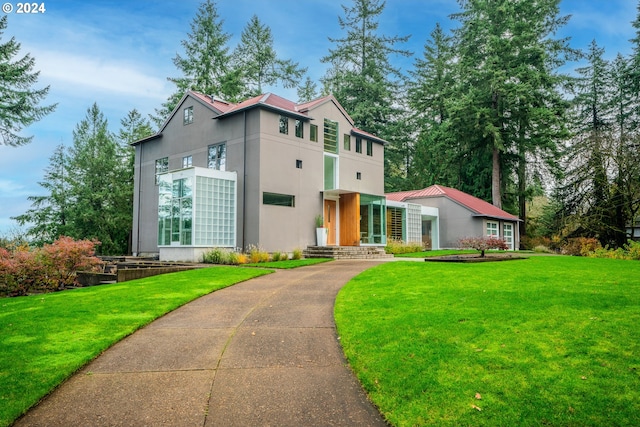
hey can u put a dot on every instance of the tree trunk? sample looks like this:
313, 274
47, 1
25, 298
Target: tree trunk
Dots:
496, 195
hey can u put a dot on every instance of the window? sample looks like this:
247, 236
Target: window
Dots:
299, 128
358, 175
299, 164
278, 199
492, 229
284, 125
162, 166
313, 133
369, 148
330, 172
373, 221
188, 116
187, 162
175, 211
330, 136
358, 144
217, 157
347, 142
507, 234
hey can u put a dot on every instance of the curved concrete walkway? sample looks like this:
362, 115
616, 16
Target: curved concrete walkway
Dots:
260, 353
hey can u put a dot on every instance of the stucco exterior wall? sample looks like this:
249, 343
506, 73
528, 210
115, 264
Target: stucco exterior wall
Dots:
265, 161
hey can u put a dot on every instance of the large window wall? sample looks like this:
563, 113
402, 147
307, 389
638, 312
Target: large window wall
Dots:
197, 207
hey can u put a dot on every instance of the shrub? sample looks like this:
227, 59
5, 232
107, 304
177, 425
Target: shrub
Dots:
530, 243
216, 256
633, 250
297, 254
482, 243
399, 247
542, 249
256, 254
580, 246
275, 256
50, 268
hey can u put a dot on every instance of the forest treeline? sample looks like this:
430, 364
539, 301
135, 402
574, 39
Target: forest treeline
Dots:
487, 108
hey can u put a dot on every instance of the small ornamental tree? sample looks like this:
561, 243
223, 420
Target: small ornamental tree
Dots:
482, 244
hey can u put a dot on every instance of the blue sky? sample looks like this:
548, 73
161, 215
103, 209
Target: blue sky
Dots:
119, 55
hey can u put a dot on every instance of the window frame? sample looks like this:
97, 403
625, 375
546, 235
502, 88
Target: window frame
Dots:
271, 199
187, 116
299, 128
346, 142
283, 125
358, 144
330, 136
187, 162
161, 168
508, 238
489, 229
220, 158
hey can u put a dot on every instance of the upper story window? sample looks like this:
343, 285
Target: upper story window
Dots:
188, 116
299, 128
369, 148
217, 157
162, 166
358, 144
284, 125
330, 136
313, 133
347, 142
187, 162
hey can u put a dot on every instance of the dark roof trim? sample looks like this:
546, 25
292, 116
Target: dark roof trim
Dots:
503, 218
367, 135
147, 139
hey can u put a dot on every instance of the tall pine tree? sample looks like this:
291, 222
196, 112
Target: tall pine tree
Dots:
257, 64
368, 86
19, 102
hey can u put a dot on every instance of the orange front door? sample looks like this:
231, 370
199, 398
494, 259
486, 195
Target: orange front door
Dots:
330, 220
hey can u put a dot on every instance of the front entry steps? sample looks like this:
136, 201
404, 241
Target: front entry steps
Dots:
346, 252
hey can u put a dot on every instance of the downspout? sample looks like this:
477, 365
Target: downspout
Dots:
139, 197
244, 181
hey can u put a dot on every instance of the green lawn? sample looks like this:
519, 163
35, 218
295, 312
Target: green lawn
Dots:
551, 341
440, 252
46, 338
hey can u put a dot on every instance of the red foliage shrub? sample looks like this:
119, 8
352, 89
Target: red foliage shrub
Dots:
580, 246
48, 269
482, 244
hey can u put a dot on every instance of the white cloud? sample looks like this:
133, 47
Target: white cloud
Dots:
83, 73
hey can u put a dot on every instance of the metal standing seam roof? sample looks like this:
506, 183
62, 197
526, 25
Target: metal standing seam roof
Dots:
478, 206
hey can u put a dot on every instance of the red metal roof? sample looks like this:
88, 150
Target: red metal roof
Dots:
478, 206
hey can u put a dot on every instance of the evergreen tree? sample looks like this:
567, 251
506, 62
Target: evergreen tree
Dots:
257, 63
307, 91
363, 80
18, 100
47, 218
205, 67
508, 98
436, 158
99, 185
586, 192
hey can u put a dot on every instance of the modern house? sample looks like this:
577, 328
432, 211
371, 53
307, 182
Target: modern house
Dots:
219, 174
462, 215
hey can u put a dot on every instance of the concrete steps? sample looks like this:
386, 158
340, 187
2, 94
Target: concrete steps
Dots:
346, 252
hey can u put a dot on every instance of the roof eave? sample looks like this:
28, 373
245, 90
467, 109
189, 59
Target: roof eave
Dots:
366, 135
266, 107
147, 139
